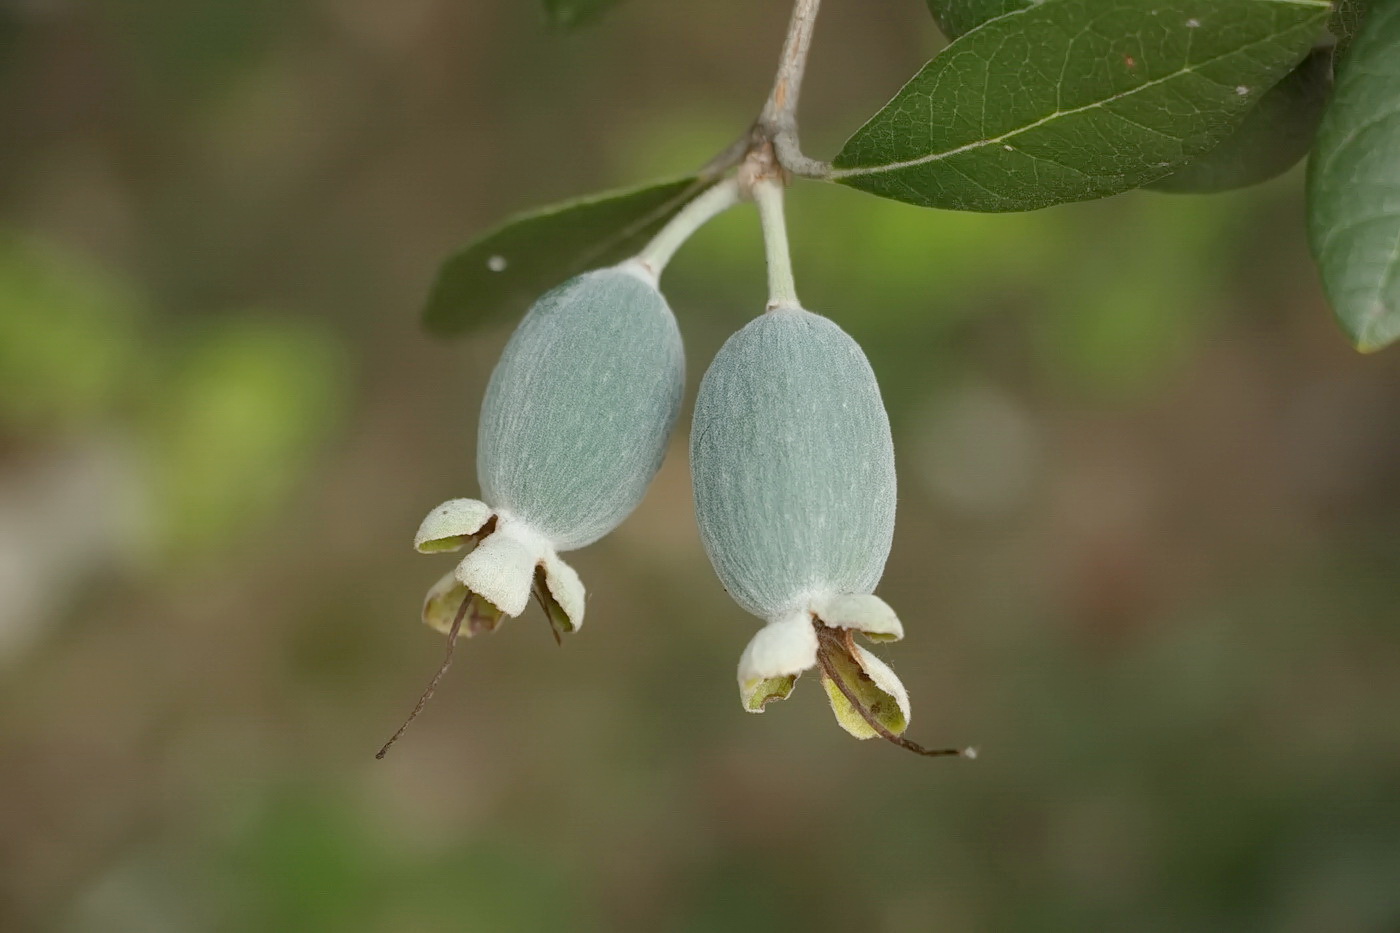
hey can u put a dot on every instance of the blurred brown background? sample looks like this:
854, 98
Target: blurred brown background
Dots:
1148, 555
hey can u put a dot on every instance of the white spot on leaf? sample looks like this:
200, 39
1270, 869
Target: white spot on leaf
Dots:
497, 263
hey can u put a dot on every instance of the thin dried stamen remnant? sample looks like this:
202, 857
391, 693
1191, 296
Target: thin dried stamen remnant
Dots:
840, 642
462, 610
558, 619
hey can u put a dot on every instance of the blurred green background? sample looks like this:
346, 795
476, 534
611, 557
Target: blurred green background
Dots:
1148, 555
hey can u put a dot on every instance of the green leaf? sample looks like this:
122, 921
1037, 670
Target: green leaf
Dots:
1076, 99
570, 14
1347, 17
1354, 186
497, 276
1272, 138
955, 17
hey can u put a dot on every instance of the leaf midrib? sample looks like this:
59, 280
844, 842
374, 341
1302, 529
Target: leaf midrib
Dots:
932, 157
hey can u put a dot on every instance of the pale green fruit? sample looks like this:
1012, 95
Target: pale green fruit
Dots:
793, 469
581, 406
793, 464
575, 423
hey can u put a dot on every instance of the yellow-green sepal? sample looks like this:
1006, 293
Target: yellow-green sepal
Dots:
874, 685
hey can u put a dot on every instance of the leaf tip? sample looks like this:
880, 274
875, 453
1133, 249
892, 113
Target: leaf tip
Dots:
1377, 329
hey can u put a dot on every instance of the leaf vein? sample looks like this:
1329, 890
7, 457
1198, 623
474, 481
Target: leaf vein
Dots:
1098, 104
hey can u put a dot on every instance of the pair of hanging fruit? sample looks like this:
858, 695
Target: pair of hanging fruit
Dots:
791, 458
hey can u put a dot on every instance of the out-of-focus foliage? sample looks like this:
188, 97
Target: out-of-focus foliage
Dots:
186, 53
68, 339
570, 14
1121, 326
1145, 553
223, 416
316, 864
234, 419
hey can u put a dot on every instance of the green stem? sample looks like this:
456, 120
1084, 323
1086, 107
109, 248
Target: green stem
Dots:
715, 201
782, 289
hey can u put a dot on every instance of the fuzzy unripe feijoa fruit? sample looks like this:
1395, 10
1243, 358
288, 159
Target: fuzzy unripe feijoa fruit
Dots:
794, 479
574, 426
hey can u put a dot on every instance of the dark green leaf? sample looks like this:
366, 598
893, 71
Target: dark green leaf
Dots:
570, 14
1076, 99
1272, 138
956, 17
1347, 16
500, 274
1354, 186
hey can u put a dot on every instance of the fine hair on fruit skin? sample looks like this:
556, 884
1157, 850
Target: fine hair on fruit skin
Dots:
575, 423
581, 406
793, 464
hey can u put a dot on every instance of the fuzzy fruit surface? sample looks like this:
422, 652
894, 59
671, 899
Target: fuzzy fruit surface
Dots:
580, 407
793, 465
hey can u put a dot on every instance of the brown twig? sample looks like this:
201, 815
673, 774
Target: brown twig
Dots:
778, 121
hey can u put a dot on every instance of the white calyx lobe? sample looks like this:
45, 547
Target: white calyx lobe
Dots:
508, 561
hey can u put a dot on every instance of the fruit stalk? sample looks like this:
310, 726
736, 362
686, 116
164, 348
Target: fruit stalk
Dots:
682, 227
782, 289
